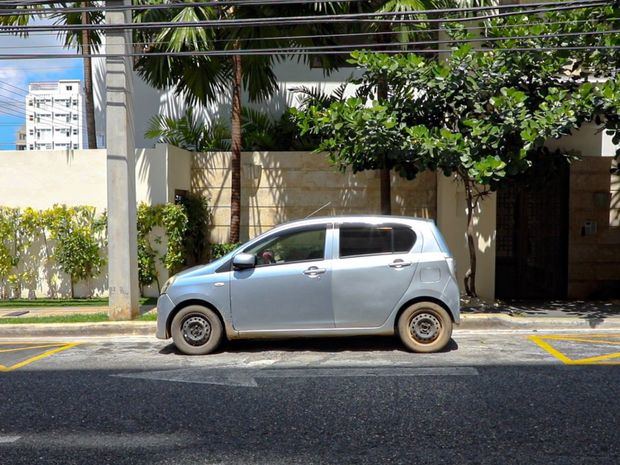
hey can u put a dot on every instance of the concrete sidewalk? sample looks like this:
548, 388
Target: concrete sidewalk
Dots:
469, 322
529, 316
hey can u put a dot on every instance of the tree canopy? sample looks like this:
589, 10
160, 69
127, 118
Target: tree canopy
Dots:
483, 113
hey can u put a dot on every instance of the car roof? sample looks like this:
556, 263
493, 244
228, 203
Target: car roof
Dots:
356, 219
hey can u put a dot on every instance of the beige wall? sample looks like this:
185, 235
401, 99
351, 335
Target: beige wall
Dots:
284, 186
452, 221
593, 259
40, 179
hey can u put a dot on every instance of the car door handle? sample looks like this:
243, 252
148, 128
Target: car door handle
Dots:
313, 271
398, 263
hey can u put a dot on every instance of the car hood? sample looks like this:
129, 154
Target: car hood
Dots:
202, 270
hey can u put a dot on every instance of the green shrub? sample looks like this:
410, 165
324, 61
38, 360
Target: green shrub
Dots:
219, 250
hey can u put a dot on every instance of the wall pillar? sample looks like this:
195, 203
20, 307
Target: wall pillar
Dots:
452, 222
121, 166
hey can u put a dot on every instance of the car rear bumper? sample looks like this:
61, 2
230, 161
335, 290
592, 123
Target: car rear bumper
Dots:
164, 307
452, 298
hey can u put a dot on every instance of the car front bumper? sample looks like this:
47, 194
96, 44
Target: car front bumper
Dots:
164, 307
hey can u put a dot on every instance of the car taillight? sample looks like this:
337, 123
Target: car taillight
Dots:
451, 265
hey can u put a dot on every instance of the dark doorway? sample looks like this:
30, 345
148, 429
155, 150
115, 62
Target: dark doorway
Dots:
532, 238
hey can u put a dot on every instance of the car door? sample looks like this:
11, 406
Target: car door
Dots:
374, 266
290, 287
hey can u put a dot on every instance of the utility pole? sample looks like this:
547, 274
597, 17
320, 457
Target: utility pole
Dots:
121, 169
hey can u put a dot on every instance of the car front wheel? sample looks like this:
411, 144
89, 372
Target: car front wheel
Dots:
196, 330
425, 327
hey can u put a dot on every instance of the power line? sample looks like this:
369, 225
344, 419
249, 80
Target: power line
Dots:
160, 6
177, 5
46, 120
24, 94
347, 35
295, 20
301, 51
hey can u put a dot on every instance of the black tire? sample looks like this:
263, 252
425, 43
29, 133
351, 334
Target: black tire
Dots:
196, 330
425, 327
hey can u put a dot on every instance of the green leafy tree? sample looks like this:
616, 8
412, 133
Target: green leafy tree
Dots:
78, 234
481, 116
84, 41
205, 79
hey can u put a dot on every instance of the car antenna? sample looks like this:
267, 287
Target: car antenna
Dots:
318, 209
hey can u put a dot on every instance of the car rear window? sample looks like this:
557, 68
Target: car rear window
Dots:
363, 239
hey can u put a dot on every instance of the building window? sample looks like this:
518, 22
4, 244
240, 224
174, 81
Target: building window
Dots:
74, 117
69, 87
31, 147
75, 132
75, 146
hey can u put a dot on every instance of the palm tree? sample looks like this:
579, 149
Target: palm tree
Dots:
205, 79
85, 41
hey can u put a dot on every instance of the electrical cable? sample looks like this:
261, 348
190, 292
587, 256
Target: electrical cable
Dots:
168, 6
293, 20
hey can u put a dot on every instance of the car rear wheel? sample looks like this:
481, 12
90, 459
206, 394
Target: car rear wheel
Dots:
196, 330
425, 327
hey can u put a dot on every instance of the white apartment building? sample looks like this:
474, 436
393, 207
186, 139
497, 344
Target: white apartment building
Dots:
55, 116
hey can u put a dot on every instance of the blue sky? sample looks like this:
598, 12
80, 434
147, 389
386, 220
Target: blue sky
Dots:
15, 75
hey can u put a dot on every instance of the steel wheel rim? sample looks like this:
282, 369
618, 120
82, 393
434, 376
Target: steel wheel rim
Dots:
425, 327
196, 330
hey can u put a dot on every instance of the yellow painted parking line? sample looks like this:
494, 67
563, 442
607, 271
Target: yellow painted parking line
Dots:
59, 347
605, 359
27, 348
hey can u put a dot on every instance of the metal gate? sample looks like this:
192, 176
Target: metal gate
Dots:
532, 239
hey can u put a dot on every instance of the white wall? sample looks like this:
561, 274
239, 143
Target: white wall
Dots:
149, 102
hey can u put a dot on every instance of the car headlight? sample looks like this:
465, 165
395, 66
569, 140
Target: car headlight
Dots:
167, 285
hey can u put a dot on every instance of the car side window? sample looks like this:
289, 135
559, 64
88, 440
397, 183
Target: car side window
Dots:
289, 247
364, 239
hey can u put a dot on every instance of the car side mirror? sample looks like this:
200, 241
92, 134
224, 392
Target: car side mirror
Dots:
243, 261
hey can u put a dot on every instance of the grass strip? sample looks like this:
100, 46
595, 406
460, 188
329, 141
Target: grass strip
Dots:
74, 318
94, 302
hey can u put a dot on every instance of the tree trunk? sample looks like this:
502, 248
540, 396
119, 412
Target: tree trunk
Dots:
88, 84
470, 276
385, 188
235, 192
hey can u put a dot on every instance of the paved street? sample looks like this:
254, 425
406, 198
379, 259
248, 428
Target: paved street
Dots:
491, 398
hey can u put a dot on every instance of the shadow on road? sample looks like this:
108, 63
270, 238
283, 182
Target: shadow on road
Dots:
332, 344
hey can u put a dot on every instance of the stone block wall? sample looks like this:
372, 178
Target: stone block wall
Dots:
282, 186
594, 255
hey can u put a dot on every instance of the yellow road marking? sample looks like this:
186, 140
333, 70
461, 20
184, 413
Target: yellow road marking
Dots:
47, 353
571, 336
597, 360
28, 348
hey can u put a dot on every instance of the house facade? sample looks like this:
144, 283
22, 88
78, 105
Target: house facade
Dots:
557, 240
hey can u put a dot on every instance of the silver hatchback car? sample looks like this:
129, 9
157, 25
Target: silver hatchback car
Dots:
336, 276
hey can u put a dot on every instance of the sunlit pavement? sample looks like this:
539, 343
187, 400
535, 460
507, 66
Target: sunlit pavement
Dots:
502, 397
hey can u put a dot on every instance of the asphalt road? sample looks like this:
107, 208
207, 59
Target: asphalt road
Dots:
491, 398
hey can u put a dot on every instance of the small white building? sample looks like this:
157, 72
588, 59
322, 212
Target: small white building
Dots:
55, 116
20, 138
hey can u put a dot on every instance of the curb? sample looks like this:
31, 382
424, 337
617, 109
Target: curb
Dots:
480, 322
502, 321
115, 328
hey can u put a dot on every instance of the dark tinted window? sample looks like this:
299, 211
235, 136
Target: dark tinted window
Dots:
296, 246
371, 240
